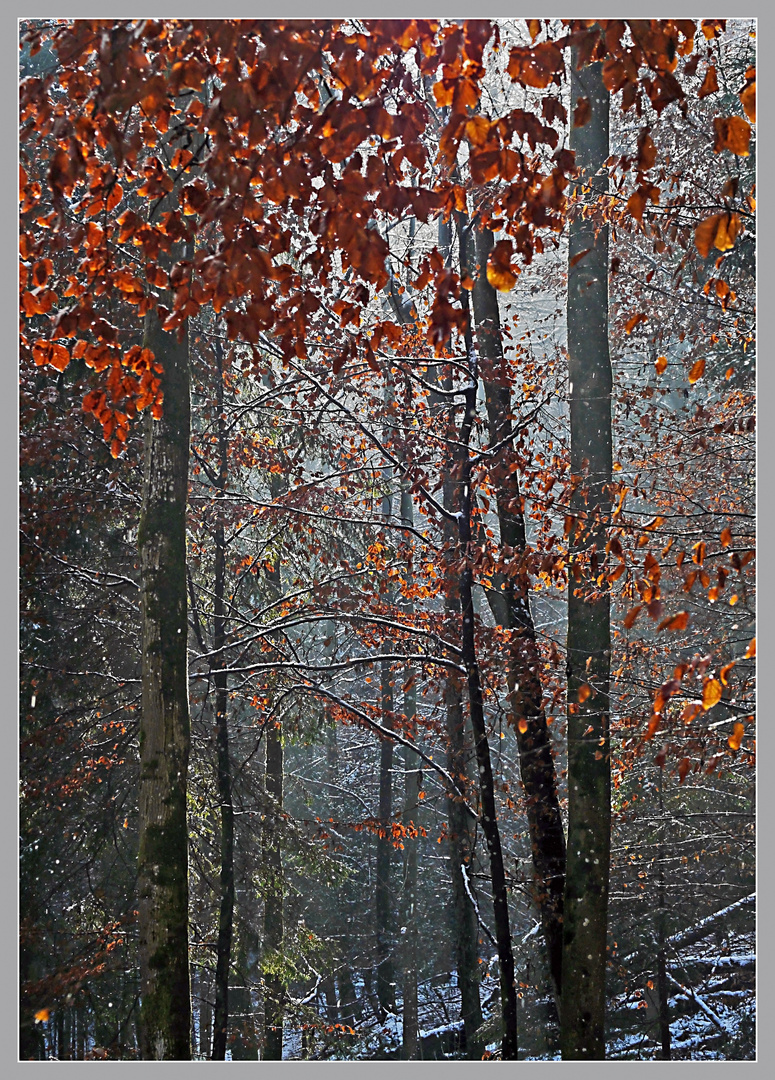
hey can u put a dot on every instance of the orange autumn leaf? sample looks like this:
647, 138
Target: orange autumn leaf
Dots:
725, 671
732, 133
726, 537
660, 364
522, 725
633, 322
697, 370
683, 768
585, 692
748, 95
675, 622
115, 197
582, 112
42, 1015
690, 710
49, 352
500, 273
751, 650
736, 738
709, 84
636, 204
718, 230
477, 130
631, 616
711, 693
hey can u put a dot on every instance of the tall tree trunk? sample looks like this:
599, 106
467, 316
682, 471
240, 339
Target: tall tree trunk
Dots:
662, 988
509, 602
273, 911
274, 926
386, 990
220, 679
244, 1044
165, 1000
476, 707
461, 836
412, 786
589, 636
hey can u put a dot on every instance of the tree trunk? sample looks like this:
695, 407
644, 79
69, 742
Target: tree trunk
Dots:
273, 911
274, 925
509, 602
165, 1006
244, 1044
662, 988
461, 839
412, 786
476, 706
386, 990
220, 679
589, 635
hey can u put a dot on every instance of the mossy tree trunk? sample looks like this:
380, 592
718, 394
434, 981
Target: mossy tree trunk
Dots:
509, 602
165, 1000
585, 915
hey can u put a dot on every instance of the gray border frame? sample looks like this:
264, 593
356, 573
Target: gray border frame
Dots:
9, 496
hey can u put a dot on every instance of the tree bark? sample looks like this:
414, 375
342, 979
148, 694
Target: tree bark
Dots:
386, 990
220, 679
165, 1006
509, 602
273, 911
461, 837
476, 706
412, 786
589, 637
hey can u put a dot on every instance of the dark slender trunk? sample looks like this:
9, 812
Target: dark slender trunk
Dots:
205, 1013
489, 817
165, 1005
220, 679
662, 988
274, 924
461, 836
273, 911
386, 990
589, 637
412, 787
382, 892
509, 602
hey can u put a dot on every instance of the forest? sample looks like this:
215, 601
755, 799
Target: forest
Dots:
387, 522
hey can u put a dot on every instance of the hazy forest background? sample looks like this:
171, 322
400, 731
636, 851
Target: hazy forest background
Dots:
387, 507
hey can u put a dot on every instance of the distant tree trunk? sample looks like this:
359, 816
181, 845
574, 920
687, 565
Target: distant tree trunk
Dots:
165, 1004
220, 679
273, 911
205, 1013
662, 988
412, 787
244, 1044
274, 925
489, 817
509, 601
589, 636
386, 989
